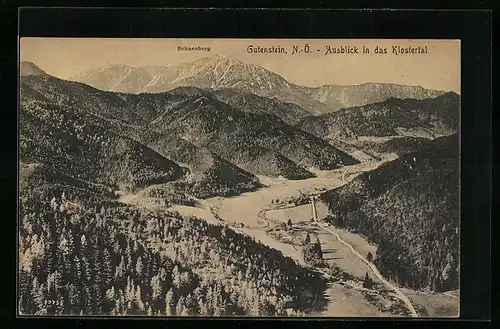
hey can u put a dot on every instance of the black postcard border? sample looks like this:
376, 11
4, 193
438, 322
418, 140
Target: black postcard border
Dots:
472, 27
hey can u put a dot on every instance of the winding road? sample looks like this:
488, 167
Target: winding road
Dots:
400, 294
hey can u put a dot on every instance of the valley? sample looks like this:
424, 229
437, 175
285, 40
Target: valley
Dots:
247, 214
258, 214
217, 188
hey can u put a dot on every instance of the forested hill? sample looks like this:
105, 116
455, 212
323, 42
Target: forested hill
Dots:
88, 137
410, 208
81, 252
259, 143
110, 259
430, 117
246, 101
397, 145
67, 142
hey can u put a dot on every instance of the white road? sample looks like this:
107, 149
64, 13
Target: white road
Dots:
400, 294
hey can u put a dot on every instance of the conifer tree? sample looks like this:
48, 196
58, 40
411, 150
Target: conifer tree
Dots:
106, 268
86, 271
83, 242
97, 298
120, 305
169, 303
139, 267
203, 310
367, 282
37, 294
369, 257
256, 307
129, 290
87, 298
318, 249
138, 298
119, 270
111, 293
156, 287
24, 288
307, 239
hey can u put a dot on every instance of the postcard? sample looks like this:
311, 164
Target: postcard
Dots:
239, 177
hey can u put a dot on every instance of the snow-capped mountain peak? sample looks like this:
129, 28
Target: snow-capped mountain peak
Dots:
223, 72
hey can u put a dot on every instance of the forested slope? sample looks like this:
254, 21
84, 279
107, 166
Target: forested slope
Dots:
431, 117
78, 258
199, 118
410, 208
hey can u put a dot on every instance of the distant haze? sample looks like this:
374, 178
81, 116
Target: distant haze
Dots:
439, 69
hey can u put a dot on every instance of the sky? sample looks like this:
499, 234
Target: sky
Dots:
438, 69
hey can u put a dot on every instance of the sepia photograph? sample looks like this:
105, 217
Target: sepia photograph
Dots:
239, 177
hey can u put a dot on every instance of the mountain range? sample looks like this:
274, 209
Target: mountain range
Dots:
216, 128
187, 136
394, 126
253, 132
92, 142
222, 72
